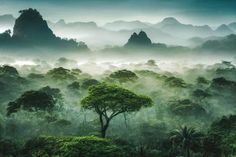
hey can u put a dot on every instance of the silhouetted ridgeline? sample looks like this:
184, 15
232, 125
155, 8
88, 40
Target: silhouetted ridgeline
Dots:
140, 39
31, 30
227, 43
141, 43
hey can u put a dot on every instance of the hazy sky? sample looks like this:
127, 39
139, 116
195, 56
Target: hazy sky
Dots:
212, 12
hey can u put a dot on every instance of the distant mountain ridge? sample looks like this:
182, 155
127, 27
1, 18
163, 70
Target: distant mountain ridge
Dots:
126, 25
227, 43
223, 30
173, 26
7, 18
62, 23
232, 26
167, 21
169, 30
7, 21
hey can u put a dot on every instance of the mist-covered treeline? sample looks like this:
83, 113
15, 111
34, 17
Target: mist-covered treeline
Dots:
61, 108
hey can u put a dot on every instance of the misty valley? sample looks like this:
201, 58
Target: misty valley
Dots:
128, 89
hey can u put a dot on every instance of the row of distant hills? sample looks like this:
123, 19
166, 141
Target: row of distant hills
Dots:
30, 26
168, 26
169, 31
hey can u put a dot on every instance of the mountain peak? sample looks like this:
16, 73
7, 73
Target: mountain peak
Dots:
61, 22
7, 20
137, 40
134, 35
170, 20
232, 26
223, 30
7, 16
143, 34
31, 29
223, 26
30, 25
126, 25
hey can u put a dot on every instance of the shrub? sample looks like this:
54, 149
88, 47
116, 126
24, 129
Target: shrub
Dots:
72, 147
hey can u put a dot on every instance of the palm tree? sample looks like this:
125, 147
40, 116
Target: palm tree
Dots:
185, 137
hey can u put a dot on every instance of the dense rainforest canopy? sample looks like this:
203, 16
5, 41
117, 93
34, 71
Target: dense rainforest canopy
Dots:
67, 112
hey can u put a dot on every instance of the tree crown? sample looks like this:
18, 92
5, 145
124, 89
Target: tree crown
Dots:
105, 98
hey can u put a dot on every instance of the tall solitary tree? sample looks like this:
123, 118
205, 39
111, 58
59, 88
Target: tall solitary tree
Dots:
109, 101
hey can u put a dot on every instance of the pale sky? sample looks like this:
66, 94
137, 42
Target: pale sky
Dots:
213, 12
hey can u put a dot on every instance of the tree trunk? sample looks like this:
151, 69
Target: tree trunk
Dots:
187, 153
126, 123
103, 133
104, 125
142, 151
104, 130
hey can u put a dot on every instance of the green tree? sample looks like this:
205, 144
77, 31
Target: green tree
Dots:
8, 70
202, 80
61, 74
221, 138
76, 72
151, 62
109, 101
45, 146
200, 95
32, 101
186, 107
5, 37
175, 82
8, 148
55, 93
74, 86
185, 137
123, 75
88, 83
